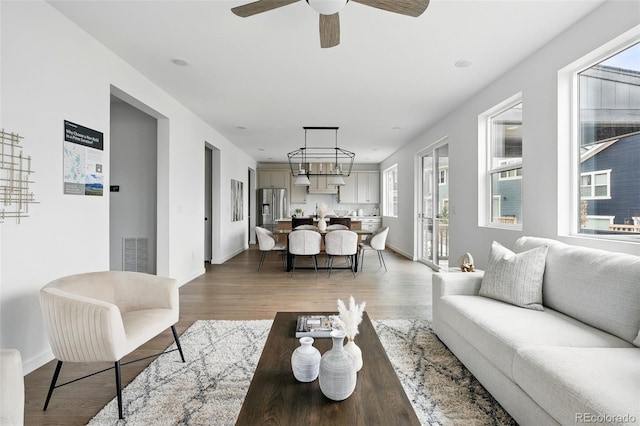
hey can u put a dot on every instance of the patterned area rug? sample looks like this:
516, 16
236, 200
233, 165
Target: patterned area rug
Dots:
222, 355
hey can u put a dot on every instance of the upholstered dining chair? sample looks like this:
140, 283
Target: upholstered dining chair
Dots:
376, 241
103, 316
297, 221
342, 243
337, 226
269, 242
304, 242
346, 221
307, 227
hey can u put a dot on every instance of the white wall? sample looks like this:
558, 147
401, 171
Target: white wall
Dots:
536, 77
51, 71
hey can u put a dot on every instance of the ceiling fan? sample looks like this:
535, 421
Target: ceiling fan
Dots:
328, 10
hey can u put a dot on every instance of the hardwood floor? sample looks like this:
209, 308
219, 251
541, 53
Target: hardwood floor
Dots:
236, 290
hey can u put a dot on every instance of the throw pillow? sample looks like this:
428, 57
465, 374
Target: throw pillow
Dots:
515, 278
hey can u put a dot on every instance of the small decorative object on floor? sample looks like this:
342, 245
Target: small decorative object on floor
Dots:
466, 263
348, 320
305, 361
337, 373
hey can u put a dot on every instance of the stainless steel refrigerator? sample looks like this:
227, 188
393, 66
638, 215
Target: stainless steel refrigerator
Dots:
273, 204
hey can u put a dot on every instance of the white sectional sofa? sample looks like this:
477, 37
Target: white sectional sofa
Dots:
576, 361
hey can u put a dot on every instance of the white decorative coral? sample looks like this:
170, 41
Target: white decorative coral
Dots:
322, 210
349, 319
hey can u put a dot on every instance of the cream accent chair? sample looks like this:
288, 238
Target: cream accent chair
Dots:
304, 242
269, 242
103, 316
376, 241
342, 243
11, 388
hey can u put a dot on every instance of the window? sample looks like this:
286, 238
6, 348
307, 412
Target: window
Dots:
607, 146
390, 191
442, 179
500, 134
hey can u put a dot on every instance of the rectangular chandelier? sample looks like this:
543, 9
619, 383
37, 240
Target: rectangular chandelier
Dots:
330, 161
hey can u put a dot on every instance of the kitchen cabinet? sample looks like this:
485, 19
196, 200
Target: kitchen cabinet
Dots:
319, 186
368, 187
274, 178
371, 223
298, 193
349, 191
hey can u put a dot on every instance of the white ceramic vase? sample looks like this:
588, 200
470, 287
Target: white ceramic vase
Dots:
305, 361
322, 224
356, 353
337, 372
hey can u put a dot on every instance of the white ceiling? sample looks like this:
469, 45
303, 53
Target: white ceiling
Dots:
259, 80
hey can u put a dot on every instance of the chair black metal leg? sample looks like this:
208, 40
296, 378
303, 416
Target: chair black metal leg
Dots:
264, 253
119, 389
293, 265
353, 261
315, 264
362, 252
330, 265
382, 262
284, 260
175, 337
54, 379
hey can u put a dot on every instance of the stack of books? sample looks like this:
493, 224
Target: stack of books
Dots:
314, 326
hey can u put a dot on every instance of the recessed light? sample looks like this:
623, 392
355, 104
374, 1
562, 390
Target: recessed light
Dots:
463, 63
180, 62
396, 128
241, 128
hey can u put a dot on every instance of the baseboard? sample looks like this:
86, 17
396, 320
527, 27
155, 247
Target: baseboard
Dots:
37, 361
192, 277
230, 256
397, 250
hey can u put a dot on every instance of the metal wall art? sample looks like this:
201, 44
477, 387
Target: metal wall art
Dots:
15, 171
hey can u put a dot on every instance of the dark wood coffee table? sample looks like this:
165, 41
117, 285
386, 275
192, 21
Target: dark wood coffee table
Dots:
276, 397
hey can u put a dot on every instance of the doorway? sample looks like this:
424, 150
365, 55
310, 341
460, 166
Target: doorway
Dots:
208, 204
433, 214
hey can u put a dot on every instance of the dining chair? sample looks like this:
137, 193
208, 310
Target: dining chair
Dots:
307, 227
346, 221
337, 226
304, 242
342, 243
104, 316
297, 221
267, 242
376, 241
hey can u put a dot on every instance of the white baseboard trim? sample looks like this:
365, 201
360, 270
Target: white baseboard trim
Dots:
230, 256
37, 361
195, 275
397, 250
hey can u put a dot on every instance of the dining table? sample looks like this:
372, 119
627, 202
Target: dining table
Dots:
361, 234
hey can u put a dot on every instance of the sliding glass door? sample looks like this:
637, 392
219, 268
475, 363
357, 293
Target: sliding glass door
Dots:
433, 214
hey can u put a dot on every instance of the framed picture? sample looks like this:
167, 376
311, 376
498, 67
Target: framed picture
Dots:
237, 201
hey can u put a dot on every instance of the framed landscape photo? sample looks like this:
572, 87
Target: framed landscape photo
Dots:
237, 201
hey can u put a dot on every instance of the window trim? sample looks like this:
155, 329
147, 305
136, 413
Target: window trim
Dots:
485, 169
568, 201
593, 185
386, 199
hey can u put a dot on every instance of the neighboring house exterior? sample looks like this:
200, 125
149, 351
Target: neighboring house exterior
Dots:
610, 153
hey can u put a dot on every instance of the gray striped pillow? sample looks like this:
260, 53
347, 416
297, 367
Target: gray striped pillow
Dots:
515, 278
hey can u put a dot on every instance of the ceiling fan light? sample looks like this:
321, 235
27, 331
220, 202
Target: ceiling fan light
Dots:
302, 179
327, 7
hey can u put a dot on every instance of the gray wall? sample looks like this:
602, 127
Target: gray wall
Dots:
134, 168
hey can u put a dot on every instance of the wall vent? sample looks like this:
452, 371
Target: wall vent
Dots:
135, 254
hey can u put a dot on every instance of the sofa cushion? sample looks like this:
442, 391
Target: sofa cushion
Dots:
515, 278
582, 385
499, 329
597, 287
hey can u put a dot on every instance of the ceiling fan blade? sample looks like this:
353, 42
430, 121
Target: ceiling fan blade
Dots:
404, 7
329, 30
260, 6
